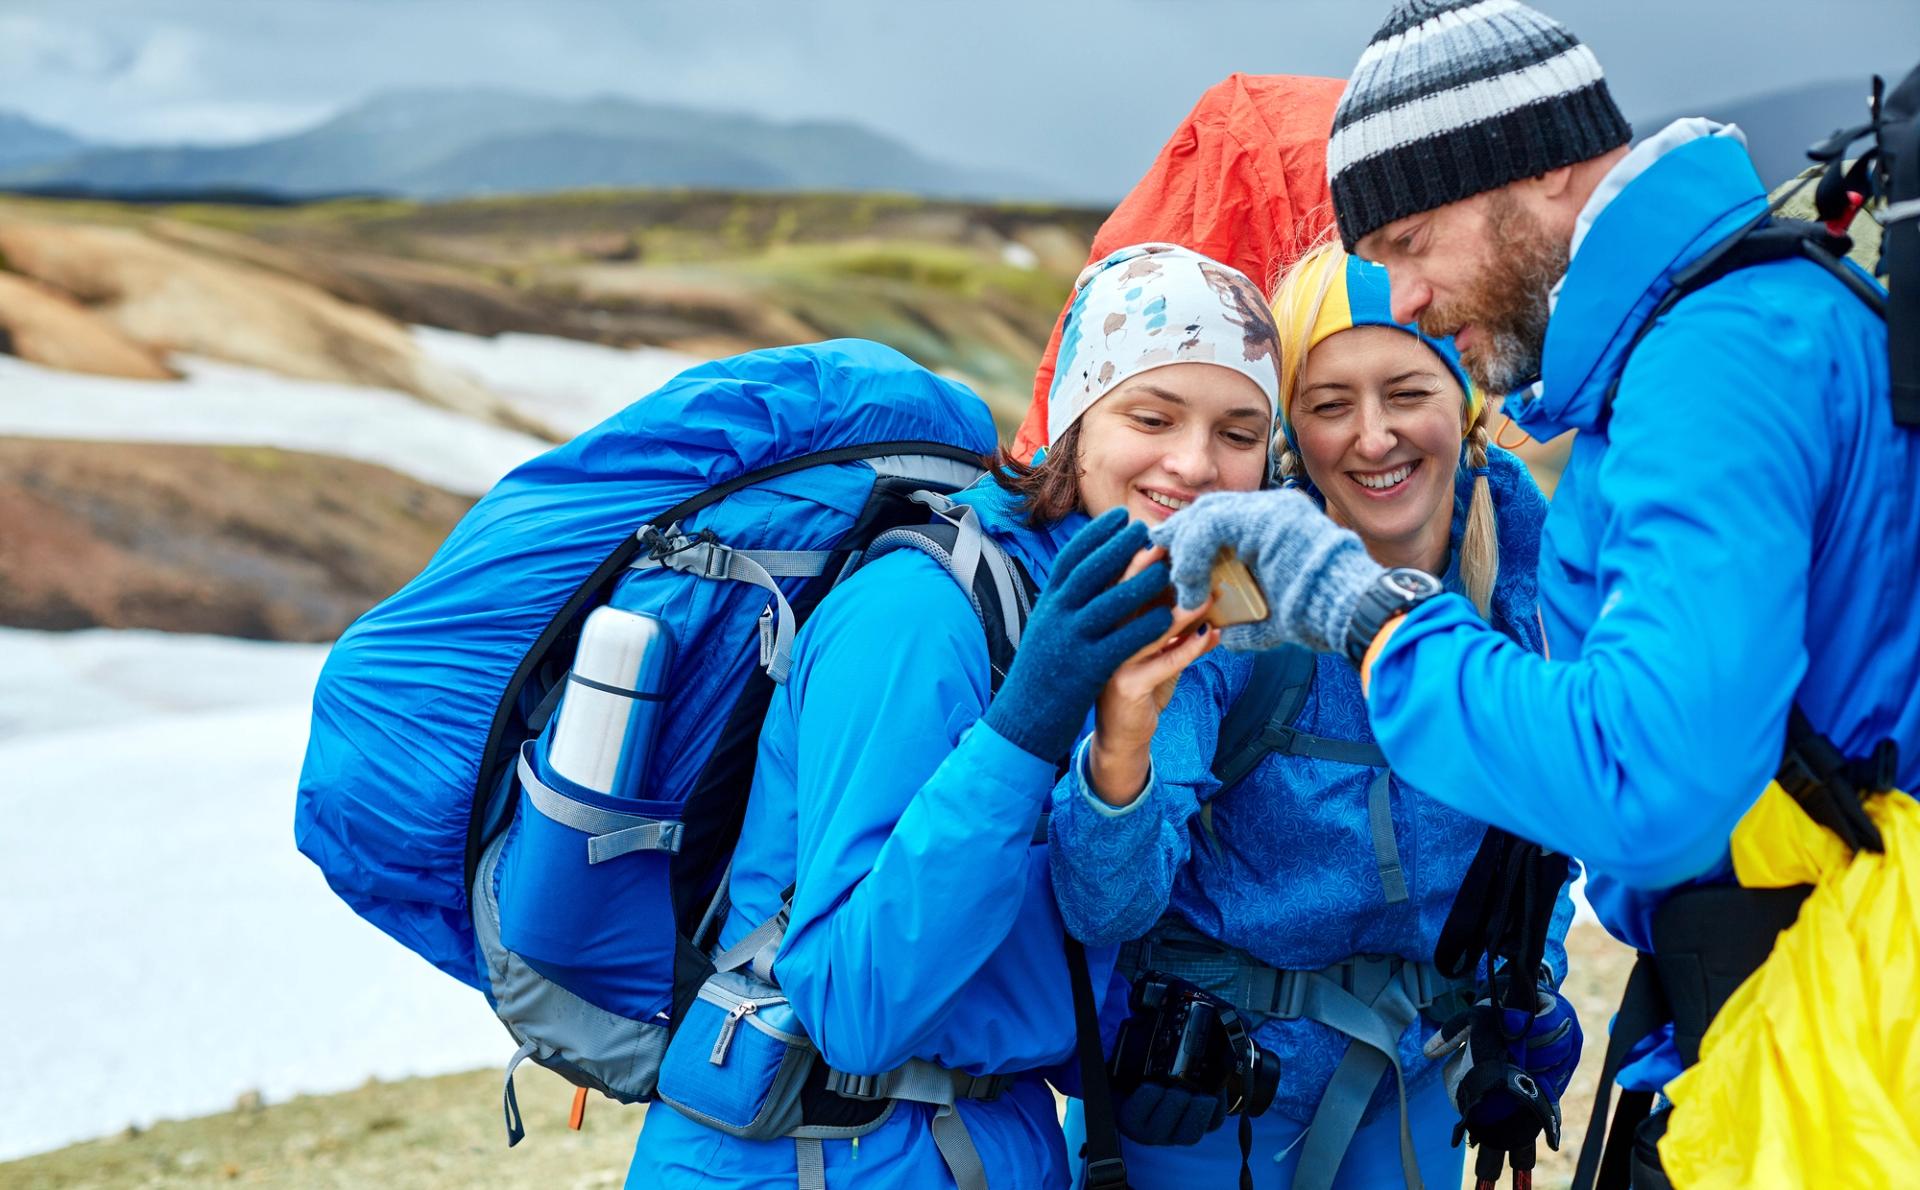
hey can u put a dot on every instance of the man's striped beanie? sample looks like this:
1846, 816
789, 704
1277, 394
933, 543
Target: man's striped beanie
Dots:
1455, 97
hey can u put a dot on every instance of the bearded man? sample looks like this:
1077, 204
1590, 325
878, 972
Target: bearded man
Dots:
1735, 540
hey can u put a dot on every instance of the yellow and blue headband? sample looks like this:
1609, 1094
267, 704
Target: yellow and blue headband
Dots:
1349, 292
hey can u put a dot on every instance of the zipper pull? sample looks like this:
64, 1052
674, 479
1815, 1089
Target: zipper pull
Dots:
719, 1055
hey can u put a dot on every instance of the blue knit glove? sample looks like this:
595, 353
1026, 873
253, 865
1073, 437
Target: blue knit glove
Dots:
1311, 570
1160, 1115
1547, 1045
1082, 628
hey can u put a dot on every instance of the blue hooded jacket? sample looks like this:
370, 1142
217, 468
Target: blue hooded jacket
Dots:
1743, 535
1293, 880
923, 921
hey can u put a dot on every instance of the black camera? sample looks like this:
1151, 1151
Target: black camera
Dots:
1183, 1036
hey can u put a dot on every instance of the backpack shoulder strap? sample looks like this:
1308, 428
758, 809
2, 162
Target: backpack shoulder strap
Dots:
1002, 594
1261, 719
997, 586
1764, 241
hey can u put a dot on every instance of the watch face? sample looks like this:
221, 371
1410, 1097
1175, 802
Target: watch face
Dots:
1414, 584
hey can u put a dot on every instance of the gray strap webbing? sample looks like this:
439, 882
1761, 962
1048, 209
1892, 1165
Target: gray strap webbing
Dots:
709, 559
967, 545
710, 921
950, 1136
1386, 852
927, 469
970, 549
1369, 998
509, 1102
809, 1163
1300, 743
757, 948
613, 834
1374, 1015
920, 1081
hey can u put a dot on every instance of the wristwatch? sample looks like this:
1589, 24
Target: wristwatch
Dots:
1397, 590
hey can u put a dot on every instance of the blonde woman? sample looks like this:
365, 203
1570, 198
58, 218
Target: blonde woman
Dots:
1310, 865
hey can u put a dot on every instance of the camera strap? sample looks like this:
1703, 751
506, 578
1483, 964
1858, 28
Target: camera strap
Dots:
1105, 1168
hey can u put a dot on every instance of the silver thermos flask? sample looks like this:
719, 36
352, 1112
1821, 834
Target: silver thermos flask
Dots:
610, 711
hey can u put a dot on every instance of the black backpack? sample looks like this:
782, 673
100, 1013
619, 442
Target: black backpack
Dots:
1886, 173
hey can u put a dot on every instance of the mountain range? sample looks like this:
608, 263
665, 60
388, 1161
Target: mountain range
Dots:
1780, 125
444, 144
448, 144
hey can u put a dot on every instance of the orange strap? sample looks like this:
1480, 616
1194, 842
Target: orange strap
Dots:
579, 1114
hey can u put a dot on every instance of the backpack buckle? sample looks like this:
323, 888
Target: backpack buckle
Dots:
716, 560
1879, 772
854, 1086
1109, 1173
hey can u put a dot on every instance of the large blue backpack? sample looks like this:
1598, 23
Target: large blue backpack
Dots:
726, 504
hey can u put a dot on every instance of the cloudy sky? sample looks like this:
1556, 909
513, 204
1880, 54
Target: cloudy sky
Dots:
1079, 92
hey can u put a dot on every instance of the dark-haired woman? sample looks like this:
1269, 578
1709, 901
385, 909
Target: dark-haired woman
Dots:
898, 802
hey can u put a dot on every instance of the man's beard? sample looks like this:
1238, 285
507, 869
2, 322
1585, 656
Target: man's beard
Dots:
1508, 304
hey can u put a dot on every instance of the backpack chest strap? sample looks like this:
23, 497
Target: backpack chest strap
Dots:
1369, 999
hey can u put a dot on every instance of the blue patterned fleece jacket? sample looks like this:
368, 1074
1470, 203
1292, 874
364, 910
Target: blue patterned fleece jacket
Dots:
1292, 880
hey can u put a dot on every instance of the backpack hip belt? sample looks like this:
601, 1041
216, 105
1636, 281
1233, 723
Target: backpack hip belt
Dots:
1370, 999
914, 1081
1708, 940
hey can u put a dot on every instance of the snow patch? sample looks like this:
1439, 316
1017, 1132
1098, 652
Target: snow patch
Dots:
227, 404
563, 383
167, 947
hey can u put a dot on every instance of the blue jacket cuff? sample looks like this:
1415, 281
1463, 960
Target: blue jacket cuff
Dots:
1008, 761
1083, 781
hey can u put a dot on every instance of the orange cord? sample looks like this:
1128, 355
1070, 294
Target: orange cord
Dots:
579, 1114
1506, 421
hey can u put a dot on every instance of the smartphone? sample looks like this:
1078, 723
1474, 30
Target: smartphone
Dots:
1237, 598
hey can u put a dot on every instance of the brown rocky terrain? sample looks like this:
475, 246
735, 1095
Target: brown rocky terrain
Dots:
174, 299
242, 541
47, 327
267, 543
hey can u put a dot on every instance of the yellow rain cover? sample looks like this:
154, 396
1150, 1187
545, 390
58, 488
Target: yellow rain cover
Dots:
1810, 1076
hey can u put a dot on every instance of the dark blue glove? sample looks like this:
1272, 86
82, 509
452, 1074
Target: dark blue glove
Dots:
1546, 1045
1159, 1115
1080, 631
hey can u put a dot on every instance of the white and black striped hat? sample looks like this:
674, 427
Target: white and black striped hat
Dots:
1454, 97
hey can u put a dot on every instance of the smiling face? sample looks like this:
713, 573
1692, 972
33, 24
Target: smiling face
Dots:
1480, 270
1167, 436
1378, 418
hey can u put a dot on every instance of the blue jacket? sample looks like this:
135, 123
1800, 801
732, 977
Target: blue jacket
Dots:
1293, 880
1743, 535
923, 920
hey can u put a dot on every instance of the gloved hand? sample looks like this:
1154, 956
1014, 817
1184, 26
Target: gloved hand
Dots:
1160, 1115
1311, 570
1080, 631
1547, 1044
1496, 1106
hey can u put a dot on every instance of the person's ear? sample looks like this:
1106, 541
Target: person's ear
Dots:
1555, 182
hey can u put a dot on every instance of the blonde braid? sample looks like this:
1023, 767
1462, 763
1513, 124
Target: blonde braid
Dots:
1288, 466
1480, 543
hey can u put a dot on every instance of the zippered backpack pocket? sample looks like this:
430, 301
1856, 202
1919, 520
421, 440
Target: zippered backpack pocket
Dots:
739, 1060
585, 891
